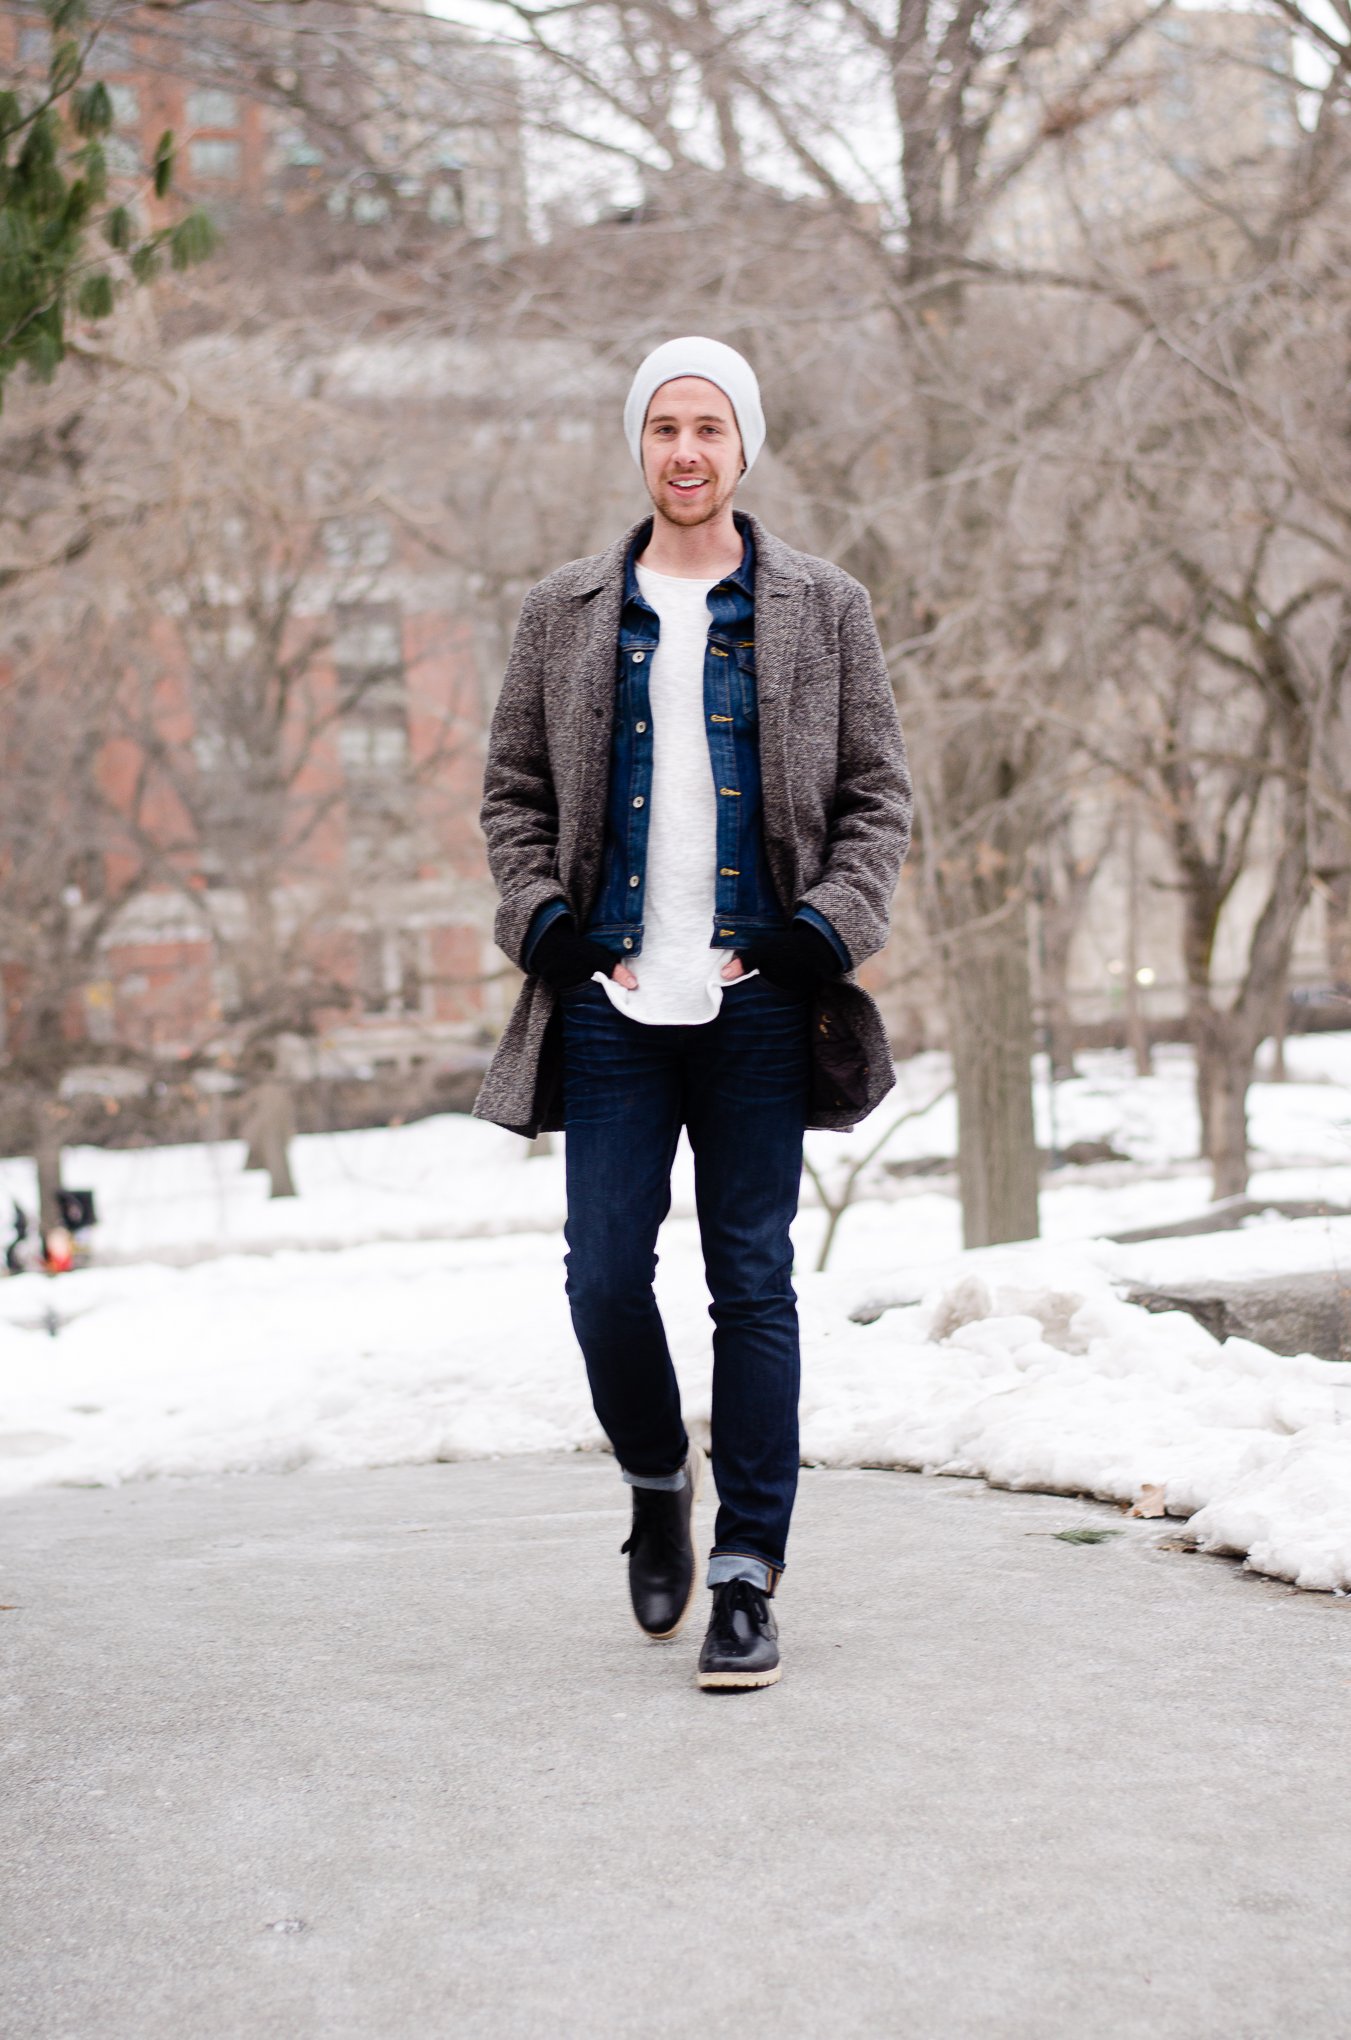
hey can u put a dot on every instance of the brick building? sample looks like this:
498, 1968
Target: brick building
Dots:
316, 108
318, 137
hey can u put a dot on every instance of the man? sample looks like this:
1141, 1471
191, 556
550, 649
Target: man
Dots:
696, 806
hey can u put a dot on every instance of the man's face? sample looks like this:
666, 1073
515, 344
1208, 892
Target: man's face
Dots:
691, 451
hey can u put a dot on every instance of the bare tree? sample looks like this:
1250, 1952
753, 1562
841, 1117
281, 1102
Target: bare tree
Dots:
910, 490
1218, 599
1241, 659
294, 740
836, 1191
1072, 852
67, 870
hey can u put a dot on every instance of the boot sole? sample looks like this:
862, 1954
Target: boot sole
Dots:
668, 1635
738, 1682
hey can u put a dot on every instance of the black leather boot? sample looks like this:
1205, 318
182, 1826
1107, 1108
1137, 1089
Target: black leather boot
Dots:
741, 1649
661, 1553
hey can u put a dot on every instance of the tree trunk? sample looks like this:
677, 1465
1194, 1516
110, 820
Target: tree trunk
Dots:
1207, 1065
1277, 1074
990, 1014
273, 1125
47, 1127
1137, 1033
1337, 939
1227, 1118
1057, 934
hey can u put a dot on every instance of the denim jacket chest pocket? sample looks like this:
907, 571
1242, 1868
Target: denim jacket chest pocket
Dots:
733, 665
748, 700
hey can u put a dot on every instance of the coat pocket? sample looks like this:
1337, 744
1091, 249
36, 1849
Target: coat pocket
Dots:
839, 1075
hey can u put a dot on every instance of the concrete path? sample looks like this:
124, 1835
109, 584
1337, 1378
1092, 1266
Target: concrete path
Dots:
380, 1756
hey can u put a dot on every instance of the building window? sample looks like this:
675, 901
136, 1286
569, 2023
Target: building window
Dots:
485, 202
122, 156
220, 754
209, 107
373, 741
379, 749
298, 150
367, 642
390, 970
229, 996
100, 1010
89, 874
34, 46
364, 541
211, 868
111, 53
445, 204
218, 161
126, 104
380, 848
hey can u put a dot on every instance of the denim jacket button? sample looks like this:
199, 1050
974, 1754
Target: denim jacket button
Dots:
638, 658
628, 941
638, 800
641, 728
634, 880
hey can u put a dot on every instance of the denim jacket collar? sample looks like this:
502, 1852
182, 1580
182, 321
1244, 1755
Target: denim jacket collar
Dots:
742, 577
776, 565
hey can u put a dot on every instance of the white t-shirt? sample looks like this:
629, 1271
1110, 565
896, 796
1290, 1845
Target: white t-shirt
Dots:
678, 973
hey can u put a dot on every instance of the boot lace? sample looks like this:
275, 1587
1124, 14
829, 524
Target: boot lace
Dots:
738, 1597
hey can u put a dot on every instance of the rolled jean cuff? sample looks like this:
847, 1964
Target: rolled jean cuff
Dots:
736, 1565
668, 1483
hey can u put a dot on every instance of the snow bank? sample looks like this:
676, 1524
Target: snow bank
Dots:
1020, 1366
1057, 1385
408, 1306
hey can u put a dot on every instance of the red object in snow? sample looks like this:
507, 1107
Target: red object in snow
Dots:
59, 1255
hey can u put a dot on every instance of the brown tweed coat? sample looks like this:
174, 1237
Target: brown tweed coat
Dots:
835, 786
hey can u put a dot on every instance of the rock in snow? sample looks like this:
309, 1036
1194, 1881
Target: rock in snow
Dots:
1294, 1313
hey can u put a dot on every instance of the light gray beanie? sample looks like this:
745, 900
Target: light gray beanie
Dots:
716, 363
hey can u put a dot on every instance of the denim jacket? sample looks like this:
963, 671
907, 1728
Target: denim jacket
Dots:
745, 902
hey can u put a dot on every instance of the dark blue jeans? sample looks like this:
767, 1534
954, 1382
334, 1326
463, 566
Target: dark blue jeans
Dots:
738, 1084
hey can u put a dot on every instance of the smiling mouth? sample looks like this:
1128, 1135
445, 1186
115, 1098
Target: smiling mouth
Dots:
687, 484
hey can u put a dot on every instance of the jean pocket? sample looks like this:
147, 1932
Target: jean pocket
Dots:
779, 992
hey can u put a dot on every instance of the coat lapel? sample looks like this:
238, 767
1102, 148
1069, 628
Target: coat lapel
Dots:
780, 588
598, 597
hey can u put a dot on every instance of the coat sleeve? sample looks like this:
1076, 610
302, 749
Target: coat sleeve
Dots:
869, 830
519, 815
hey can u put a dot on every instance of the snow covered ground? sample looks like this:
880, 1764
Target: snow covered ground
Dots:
408, 1306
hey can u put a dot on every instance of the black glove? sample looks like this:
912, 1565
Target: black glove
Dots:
563, 958
798, 959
